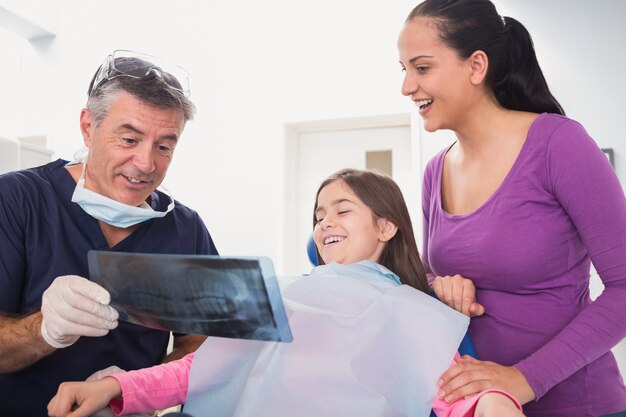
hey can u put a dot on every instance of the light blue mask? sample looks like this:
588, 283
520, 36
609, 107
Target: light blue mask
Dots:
112, 211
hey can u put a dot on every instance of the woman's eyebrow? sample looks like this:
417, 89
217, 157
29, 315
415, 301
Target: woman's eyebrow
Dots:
413, 60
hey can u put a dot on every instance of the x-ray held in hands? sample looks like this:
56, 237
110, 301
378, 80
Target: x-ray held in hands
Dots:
194, 294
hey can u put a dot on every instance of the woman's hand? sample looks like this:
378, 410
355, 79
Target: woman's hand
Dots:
459, 293
471, 376
82, 399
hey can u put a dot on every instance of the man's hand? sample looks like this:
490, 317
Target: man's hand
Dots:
459, 293
470, 376
72, 307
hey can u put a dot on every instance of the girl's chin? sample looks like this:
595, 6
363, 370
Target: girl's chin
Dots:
332, 259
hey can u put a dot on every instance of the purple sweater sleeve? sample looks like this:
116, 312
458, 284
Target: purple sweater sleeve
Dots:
591, 195
154, 388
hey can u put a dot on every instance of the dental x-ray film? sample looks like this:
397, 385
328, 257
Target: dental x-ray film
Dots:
233, 297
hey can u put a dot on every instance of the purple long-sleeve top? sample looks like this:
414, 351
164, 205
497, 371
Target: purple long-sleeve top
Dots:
528, 250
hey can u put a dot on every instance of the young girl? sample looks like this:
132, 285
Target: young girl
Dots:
359, 344
519, 206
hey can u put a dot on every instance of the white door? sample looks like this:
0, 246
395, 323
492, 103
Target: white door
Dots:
320, 150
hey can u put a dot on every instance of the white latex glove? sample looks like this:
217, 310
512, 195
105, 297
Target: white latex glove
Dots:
72, 307
111, 370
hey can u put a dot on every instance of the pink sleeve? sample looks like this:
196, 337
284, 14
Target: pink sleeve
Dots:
153, 388
465, 407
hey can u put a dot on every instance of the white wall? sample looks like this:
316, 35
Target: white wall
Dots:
258, 65
254, 66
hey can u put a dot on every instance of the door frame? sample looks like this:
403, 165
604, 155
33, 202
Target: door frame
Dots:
289, 249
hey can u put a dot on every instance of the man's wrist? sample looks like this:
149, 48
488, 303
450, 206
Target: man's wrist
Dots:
21, 343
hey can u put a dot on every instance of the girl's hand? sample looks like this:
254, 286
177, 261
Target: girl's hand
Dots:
459, 293
82, 399
471, 376
494, 404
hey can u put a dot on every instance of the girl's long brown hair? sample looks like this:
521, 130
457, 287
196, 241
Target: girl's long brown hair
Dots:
383, 196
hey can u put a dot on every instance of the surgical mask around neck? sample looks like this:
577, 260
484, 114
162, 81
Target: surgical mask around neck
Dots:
112, 211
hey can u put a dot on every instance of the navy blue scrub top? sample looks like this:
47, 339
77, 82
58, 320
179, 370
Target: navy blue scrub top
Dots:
44, 235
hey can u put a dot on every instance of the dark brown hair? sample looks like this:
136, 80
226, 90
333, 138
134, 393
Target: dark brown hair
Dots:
514, 74
383, 197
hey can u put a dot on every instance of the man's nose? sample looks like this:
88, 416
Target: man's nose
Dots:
144, 158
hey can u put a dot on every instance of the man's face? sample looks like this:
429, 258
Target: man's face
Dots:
131, 149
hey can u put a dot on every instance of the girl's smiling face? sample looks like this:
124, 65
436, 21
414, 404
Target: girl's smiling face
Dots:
346, 230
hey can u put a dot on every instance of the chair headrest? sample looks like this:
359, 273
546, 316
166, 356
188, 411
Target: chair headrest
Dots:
311, 251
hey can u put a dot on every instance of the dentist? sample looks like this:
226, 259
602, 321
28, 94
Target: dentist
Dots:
55, 324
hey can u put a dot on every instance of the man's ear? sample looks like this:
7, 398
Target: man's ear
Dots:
387, 230
87, 124
479, 64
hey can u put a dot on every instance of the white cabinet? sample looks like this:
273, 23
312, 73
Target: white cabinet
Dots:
23, 153
9, 154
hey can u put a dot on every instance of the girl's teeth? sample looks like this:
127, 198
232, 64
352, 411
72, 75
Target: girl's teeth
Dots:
333, 239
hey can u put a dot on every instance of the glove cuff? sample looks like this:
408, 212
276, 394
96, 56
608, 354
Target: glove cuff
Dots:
45, 333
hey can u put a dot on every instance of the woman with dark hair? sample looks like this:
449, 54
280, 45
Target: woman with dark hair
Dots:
516, 209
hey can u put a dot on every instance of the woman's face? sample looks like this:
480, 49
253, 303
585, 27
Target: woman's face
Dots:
436, 79
346, 231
